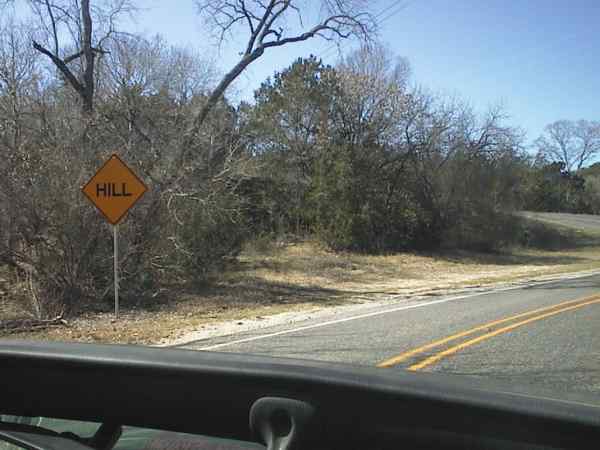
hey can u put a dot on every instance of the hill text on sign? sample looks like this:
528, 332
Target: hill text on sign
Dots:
114, 189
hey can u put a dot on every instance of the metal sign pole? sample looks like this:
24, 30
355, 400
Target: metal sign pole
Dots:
114, 189
116, 270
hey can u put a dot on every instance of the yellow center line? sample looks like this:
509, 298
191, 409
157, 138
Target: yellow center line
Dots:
404, 356
435, 358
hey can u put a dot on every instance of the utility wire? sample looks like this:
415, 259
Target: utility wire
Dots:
379, 19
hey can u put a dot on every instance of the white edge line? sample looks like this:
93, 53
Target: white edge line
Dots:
537, 397
390, 310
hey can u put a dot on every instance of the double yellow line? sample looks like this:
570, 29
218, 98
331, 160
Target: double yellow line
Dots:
532, 316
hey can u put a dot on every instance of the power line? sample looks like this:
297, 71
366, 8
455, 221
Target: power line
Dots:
327, 51
399, 3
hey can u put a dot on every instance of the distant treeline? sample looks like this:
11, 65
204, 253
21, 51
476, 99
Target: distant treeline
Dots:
552, 188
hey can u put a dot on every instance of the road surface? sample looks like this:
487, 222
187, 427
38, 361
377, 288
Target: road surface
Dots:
544, 334
583, 222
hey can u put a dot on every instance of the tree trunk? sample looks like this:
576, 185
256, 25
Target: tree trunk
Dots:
215, 96
87, 96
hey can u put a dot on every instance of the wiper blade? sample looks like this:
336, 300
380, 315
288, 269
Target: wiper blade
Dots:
38, 438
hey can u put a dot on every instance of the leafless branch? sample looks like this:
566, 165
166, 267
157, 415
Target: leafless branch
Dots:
267, 28
60, 64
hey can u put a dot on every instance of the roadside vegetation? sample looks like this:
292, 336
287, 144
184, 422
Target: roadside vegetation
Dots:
336, 181
299, 277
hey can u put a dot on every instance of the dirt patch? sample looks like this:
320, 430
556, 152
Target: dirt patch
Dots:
303, 277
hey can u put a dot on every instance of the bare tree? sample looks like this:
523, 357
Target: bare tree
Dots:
89, 27
147, 82
569, 142
374, 85
275, 23
150, 65
18, 76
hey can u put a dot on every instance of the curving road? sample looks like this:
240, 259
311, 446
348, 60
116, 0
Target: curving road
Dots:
544, 334
583, 222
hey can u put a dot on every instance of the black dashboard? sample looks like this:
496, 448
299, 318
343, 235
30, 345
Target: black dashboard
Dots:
281, 403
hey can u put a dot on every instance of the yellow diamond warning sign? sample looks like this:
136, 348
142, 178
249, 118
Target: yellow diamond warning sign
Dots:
114, 189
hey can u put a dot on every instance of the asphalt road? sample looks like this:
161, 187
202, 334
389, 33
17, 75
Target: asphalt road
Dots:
582, 222
554, 347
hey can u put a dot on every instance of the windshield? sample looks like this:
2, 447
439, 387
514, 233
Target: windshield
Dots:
128, 438
408, 185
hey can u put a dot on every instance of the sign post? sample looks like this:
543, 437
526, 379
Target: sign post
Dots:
116, 270
114, 189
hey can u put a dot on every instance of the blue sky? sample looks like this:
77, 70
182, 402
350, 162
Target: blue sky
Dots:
540, 59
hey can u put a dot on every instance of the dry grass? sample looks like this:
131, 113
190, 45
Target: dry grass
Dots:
304, 275
307, 264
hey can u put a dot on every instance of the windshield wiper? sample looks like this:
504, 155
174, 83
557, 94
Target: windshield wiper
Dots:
38, 438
